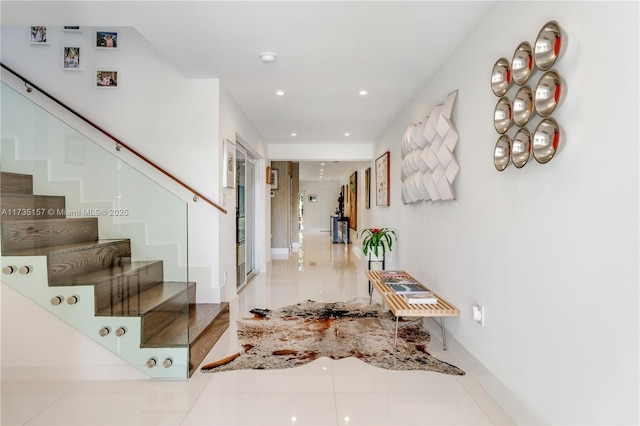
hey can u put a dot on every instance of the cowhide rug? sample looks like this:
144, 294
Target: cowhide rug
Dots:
297, 334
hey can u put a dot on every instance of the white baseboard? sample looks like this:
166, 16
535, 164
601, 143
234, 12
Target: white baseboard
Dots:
279, 253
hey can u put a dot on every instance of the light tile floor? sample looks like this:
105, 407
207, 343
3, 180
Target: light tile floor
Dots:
324, 392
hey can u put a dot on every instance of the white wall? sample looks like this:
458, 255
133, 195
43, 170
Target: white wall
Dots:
316, 215
551, 251
235, 127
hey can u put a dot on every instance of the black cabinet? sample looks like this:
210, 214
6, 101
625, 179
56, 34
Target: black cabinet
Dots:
339, 229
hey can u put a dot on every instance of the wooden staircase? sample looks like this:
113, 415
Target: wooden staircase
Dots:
35, 225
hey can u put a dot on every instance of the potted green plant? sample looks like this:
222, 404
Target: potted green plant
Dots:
377, 240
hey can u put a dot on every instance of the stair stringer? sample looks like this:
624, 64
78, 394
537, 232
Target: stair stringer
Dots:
81, 316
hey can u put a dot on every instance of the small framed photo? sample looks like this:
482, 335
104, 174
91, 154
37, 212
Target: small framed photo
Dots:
107, 79
71, 58
71, 29
367, 188
229, 165
382, 180
38, 35
274, 179
107, 40
313, 198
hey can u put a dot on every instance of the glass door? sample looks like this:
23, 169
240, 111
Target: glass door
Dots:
240, 217
245, 215
251, 215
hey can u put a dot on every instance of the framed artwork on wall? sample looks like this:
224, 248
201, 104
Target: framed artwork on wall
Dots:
38, 35
274, 179
268, 175
382, 180
107, 40
229, 164
367, 188
353, 204
107, 79
71, 58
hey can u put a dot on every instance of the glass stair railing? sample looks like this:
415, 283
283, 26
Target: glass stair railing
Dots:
95, 242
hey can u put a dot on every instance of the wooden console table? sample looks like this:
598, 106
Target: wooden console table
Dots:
398, 305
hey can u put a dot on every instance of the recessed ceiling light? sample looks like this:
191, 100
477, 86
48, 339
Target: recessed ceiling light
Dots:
294, 134
347, 134
363, 92
322, 170
268, 57
322, 164
280, 93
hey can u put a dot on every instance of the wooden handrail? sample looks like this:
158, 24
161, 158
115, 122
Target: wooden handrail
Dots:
119, 143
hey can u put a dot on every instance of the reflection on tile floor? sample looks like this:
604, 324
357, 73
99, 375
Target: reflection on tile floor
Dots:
323, 392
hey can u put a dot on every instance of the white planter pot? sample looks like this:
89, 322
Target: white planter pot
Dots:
374, 258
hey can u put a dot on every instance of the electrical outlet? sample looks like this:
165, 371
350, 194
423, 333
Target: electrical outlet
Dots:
478, 314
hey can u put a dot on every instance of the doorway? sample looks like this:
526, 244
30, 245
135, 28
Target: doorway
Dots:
245, 215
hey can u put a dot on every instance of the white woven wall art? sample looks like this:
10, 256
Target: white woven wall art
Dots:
429, 166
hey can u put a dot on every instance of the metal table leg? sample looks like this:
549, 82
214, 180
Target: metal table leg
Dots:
395, 339
444, 336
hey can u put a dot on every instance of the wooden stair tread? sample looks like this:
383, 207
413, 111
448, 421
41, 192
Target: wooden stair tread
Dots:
201, 317
16, 183
152, 298
30, 206
126, 268
23, 234
60, 248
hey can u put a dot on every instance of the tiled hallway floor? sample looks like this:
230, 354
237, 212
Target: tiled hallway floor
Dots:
324, 392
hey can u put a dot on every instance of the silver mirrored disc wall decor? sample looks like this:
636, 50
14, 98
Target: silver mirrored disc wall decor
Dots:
501, 77
546, 140
541, 97
548, 92
523, 106
521, 147
501, 153
502, 115
522, 63
547, 46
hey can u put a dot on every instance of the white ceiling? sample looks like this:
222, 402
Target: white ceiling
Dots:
327, 51
330, 170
